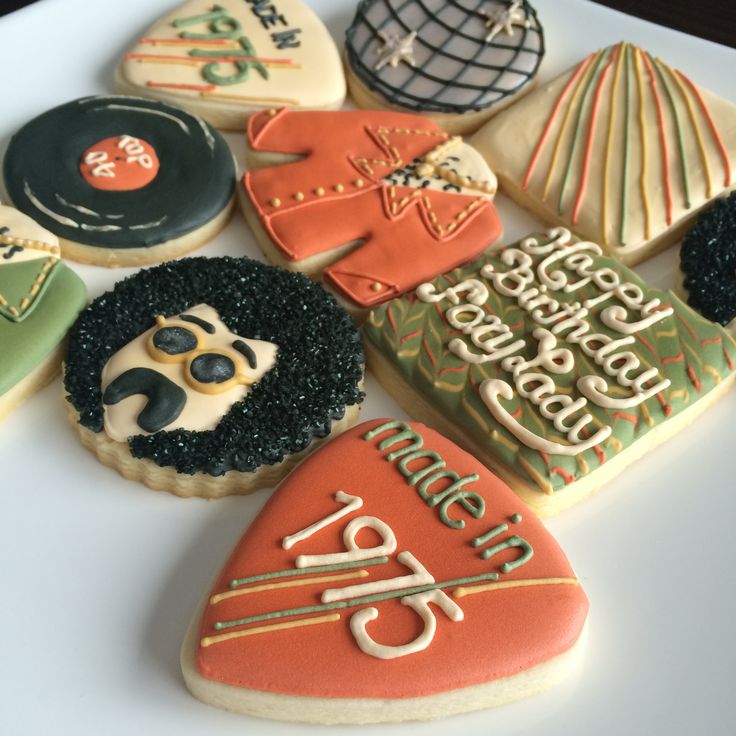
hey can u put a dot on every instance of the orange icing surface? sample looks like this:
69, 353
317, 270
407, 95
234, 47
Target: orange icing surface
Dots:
336, 195
503, 632
119, 164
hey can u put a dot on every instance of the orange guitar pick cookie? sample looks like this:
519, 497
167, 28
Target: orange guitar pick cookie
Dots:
390, 577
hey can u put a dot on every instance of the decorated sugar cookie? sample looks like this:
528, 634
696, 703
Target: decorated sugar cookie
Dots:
623, 150
40, 298
457, 63
211, 376
552, 363
228, 59
121, 181
381, 202
708, 263
390, 577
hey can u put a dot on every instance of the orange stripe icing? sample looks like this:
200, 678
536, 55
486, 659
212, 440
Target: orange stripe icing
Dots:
581, 85
607, 158
662, 137
714, 130
591, 133
548, 126
642, 131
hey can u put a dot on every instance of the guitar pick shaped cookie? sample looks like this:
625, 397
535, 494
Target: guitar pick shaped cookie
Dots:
40, 298
390, 577
224, 60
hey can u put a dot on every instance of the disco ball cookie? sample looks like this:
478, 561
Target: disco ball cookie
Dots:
622, 149
381, 202
553, 364
708, 263
211, 376
457, 63
390, 577
228, 59
120, 180
40, 298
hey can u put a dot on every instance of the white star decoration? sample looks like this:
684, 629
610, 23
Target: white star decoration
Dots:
395, 49
504, 19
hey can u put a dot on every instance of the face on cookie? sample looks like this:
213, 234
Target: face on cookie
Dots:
185, 372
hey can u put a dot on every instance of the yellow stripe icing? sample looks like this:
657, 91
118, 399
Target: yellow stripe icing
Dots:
696, 127
208, 641
643, 133
582, 84
462, 591
538, 478
607, 157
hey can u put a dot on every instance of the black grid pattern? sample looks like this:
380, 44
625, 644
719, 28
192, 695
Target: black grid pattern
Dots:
444, 79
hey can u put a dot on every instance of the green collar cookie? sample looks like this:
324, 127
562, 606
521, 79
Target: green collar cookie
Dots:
40, 298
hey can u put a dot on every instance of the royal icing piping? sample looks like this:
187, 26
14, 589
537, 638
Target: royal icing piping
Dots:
546, 348
113, 193
254, 53
176, 369
672, 138
451, 589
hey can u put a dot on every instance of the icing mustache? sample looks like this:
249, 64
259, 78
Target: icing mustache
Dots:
165, 399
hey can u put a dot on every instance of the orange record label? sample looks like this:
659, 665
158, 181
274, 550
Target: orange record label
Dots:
119, 164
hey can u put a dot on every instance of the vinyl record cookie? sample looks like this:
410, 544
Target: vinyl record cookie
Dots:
390, 577
211, 376
39, 300
120, 180
623, 150
380, 202
225, 60
457, 62
708, 263
553, 364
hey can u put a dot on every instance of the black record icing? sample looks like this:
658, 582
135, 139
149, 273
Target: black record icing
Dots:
454, 72
194, 183
708, 260
318, 368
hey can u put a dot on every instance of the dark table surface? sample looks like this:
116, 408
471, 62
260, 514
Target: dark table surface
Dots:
711, 19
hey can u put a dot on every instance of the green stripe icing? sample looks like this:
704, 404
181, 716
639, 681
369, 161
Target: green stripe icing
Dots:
581, 112
678, 126
307, 571
627, 129
354, 601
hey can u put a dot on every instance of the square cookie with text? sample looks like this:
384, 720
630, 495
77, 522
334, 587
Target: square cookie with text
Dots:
555, 365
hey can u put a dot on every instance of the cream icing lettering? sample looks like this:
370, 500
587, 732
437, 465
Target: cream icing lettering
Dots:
420, 584
135, 153
493, 341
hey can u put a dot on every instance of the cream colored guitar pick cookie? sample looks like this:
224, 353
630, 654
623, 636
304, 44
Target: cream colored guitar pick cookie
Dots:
225, 60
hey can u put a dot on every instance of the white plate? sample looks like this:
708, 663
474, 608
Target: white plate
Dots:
100, 575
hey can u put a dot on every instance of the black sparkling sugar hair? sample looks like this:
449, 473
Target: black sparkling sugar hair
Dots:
708, 260
317, 374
